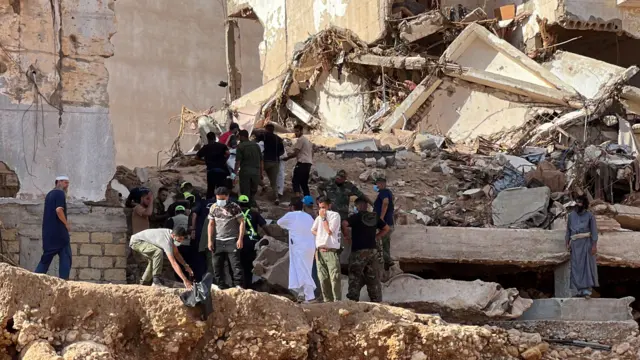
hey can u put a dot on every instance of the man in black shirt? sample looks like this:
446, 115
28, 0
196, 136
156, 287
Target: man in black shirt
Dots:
364, 266
178, 200
273, 149
215, 156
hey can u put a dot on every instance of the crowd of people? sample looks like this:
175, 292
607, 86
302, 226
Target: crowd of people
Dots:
218, 233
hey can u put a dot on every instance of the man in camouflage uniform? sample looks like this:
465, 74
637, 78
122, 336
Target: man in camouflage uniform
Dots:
364, 265
339, 191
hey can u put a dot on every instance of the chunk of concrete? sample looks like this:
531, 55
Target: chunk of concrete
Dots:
414, 245
576, 309
603, 332
628, 217
272, 262
452, 299
425, 25
521, 207
325, 172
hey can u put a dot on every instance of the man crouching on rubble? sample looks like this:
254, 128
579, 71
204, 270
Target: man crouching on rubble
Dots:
581, 240
151, 244
364, 264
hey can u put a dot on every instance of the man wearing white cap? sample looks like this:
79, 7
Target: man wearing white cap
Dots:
55, 230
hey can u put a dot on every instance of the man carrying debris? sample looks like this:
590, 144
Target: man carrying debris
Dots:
384, 207
55, 230
215, 156
249, 166
364, 263
581, 240
273, 149
253, 221
338, 190
326, 229
302, 248
225, 237
160, 214
152, 244
303, 152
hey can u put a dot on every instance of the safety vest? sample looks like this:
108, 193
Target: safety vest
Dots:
252, 232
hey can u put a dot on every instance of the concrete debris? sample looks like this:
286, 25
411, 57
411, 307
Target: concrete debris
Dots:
244, 325
454, 300
272, 262
521, 207
364, 144
381, 163
423, 26
627, 216
324, 171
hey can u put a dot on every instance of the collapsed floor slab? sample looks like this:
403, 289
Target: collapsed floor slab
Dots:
603, 332
460, 301
575, 309
136, 322
415, 244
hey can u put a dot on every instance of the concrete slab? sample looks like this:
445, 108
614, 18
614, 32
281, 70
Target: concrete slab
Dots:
603, 332
417, 244
628, 216
574, 309
453, 300
521, 207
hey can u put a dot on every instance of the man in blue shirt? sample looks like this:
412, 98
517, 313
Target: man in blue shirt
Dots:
55, 230
383, 206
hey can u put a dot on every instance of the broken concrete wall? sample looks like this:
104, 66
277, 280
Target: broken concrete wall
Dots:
342, 100
602, 15
569, 67
169, 54
54, 115
287, 22
462, 110
98, 239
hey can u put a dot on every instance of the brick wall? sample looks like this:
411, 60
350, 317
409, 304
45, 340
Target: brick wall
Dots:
9, 246
98, 239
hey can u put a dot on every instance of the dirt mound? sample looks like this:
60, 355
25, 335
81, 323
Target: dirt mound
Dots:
46, 318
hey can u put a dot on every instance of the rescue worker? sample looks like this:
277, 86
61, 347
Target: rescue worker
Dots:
249, 166
181, 220
339, 190
253, 221
364, 264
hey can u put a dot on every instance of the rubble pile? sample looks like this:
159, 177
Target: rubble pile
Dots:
89, 321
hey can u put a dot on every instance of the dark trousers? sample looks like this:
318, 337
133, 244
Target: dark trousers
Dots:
215, 179
247, 256
301, 178
227, 251
249, 181
64, 254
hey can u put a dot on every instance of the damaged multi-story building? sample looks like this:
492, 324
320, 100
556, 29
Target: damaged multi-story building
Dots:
481, 91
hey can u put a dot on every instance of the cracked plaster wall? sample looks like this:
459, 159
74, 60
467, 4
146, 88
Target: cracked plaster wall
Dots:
287, 22
54, 115
164, 55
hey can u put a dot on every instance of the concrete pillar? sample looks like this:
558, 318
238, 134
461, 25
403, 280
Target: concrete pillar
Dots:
562, 280
234, 76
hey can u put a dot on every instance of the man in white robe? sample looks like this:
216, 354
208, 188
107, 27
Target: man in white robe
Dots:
302, 248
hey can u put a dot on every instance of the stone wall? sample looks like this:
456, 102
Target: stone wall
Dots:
98, 239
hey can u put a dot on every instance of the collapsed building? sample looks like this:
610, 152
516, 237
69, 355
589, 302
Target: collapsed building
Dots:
509, 107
